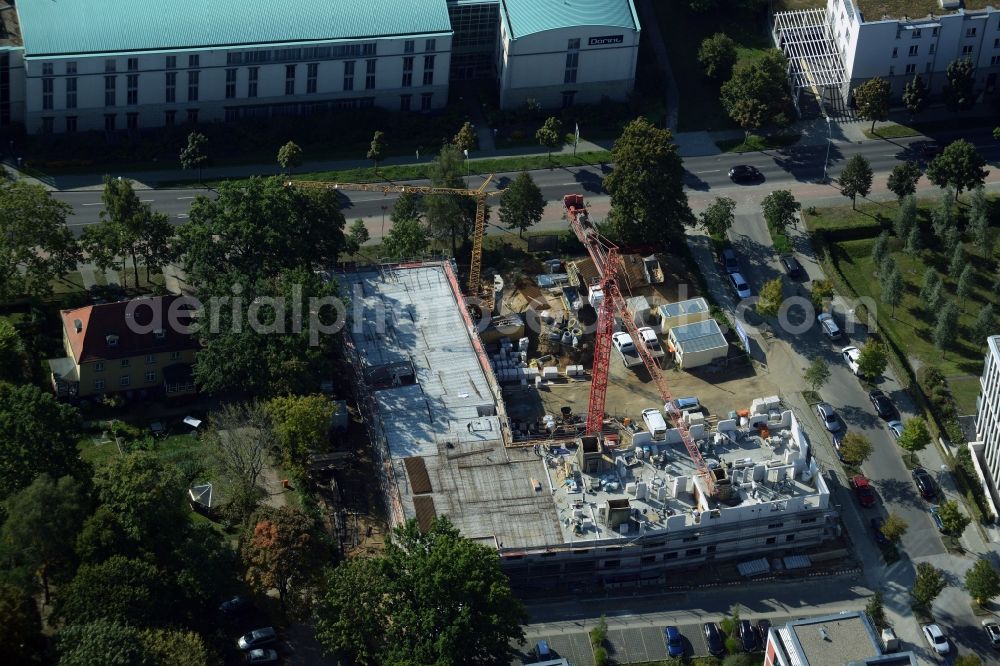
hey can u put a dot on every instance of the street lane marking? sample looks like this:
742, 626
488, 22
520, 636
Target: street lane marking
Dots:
147, 200
709, 171
181, 214
180, 198
92, 204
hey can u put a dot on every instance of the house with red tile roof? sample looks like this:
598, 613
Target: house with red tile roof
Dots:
142, 347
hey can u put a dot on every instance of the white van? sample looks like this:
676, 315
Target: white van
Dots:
655, 424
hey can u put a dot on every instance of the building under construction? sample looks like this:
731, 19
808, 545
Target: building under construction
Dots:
614, 509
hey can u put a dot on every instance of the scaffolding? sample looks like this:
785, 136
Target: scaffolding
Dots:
815, 62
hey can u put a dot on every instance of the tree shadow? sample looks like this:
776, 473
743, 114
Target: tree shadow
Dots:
693, 182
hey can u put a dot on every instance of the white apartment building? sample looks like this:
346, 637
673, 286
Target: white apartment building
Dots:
834, 50
986, 450
563, 53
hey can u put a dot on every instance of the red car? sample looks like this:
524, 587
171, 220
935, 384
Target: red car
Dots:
866, 496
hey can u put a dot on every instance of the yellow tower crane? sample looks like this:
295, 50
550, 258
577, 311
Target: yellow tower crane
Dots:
480, 194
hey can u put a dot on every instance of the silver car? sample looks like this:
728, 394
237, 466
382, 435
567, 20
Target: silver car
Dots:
829, 417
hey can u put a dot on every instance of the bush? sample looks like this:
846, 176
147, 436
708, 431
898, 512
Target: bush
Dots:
733, 646
600, 656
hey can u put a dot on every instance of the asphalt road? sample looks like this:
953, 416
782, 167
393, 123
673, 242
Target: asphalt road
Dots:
781, 168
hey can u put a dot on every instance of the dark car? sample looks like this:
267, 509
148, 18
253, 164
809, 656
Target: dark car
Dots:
713, 638
792, 266
674, 640
744, 173
930, 149
748, 637
883, 406
727, 257
880, 537
763, 627
235, 606
925, 484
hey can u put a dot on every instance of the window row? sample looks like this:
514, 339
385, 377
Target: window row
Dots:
125, 380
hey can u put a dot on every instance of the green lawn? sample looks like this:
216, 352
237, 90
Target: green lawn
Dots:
181, 450
911, 326
893, 131
868, 214
965, 390
757, 142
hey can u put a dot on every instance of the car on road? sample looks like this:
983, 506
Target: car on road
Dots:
748, 637
740, 285
257, 638
829, 326
261, 656
930, 149
713, 639
235, 605
925, 484
880, 537
882, 404
863, 489
937, 519
745, 173
936, 638
896, 428
763, 627
727, 257
828, 416
992, 630
793, 268
674, 640
626, 349
851, 355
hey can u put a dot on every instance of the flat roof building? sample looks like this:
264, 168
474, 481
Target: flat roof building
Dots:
986, 448
697, 344
845, 638
583, 510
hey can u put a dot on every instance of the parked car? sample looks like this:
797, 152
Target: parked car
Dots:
748, 637
713, 638
882, 404
828, 416
880, 537
936, 638
674, 640
992, 630
763, 627
727, 257
622, 341
863, 489
895, 428
686, 404
829, 326
652, 341
937, 519
744, 173
257, 638
740, 285
930, 149
260, 656
925, 484
235, 606
851, 355
793, 268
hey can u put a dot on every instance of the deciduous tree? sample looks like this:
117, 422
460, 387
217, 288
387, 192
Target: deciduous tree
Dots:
872, 100
960, 91
290, 156
449, 216
42, 523
120, 589
241, 436
779, 209
820, 292
818, 373
717, 55
856, 179
376, 149
38, 435
550, 134
279, 547
903, 179
876, 611
302, 425
931, 280
20, 626
145, 496
894, 527
959, 166
172, 647
906, 217
195, 154
952, 518
100, 642
915, 435
892, 288
880, 250
770, 299
357, 235
959, 260
36, 246
757, 92
648, 202
929, 583
521, 204
946, 328
855, 448
432, 597
12, 358
873, 359
982, 581
915, 95
966, 282
718, 218
985, 324
407, 238
466, 138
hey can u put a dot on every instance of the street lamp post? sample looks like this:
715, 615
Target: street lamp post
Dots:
829, 142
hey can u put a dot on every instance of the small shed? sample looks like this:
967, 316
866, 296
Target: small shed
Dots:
639, 307
697, 344
682, 312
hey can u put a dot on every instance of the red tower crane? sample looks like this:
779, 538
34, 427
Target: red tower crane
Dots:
607, 262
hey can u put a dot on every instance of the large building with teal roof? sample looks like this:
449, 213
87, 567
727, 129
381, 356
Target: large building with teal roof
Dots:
113, 65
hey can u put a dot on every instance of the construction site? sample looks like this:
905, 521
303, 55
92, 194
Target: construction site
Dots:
593, 423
